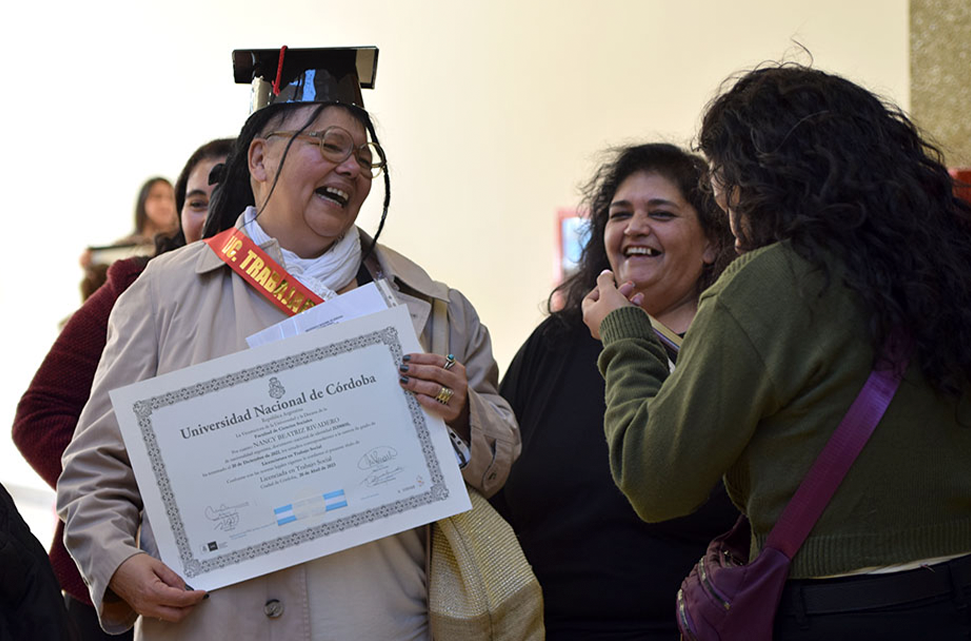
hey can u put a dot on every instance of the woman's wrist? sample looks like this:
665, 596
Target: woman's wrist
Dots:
625, 322
461, 424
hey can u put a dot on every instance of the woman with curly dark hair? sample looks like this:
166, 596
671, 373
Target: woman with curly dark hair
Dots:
680, 170
605, 573
849, 235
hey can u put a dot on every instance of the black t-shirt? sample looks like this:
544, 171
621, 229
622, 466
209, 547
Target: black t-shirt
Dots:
605, 573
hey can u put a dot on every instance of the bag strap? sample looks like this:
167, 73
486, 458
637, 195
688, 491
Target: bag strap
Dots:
439, 327
439, 346
818, 487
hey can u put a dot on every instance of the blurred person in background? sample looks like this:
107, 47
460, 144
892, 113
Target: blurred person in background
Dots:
156, 213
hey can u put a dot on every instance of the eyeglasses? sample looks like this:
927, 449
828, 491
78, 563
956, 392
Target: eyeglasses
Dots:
337, 145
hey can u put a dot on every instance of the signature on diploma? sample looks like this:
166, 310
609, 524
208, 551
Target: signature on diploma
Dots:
377, 461
377, 456
224, 517
382, 475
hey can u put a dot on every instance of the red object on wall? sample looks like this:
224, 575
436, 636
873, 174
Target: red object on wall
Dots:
963, 176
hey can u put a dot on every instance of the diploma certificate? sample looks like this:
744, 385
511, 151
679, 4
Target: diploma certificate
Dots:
284, 453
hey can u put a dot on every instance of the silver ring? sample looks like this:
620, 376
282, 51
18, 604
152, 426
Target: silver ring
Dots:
449, 361
444, 395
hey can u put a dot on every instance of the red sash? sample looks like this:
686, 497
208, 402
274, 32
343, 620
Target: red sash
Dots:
262, 272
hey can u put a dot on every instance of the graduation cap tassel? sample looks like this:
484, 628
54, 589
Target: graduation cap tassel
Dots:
279, 71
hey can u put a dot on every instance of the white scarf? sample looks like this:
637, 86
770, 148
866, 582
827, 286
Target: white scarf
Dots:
325, 275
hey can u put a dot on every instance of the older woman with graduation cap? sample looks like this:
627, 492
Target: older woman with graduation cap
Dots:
294, 184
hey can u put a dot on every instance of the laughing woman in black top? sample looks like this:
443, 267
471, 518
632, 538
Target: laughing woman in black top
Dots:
605, 573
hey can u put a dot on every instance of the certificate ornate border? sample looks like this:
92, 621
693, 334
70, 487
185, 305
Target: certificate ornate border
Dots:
192, 565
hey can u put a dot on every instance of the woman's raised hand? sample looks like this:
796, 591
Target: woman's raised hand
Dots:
153, 589
605, 298
440, 385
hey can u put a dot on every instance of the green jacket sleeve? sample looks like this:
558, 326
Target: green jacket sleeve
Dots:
673, 436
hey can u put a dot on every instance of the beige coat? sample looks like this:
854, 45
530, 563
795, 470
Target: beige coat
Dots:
188, 307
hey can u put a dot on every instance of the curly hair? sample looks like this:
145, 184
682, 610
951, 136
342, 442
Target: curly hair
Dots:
235, 194
687, 171
813, 159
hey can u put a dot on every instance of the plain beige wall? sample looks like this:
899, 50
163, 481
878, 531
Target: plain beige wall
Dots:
492, 112
940, 53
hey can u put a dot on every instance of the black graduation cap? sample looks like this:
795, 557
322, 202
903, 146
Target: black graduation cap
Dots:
325, 75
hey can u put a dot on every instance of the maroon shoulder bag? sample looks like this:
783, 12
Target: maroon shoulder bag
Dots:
726, 598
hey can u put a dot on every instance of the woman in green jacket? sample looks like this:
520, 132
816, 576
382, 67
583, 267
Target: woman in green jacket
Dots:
849, 233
